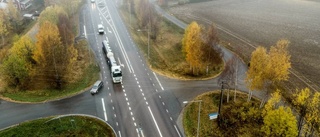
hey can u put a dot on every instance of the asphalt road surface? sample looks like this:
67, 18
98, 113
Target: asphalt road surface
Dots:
145, 104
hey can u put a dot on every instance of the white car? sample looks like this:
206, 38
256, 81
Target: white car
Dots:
92, 1
100, 29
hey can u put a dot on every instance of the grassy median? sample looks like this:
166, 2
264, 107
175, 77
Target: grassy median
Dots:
69, 126
86, 73
237, 118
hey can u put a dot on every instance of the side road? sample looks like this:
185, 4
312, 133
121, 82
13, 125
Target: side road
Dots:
227, 54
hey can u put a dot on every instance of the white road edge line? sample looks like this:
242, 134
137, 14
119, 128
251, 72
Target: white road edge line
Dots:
158, 80
155, 122
85, 32
104, 110
119, 133
177, 130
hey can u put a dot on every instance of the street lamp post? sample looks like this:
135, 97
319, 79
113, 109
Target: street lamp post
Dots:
185, 102
148, 39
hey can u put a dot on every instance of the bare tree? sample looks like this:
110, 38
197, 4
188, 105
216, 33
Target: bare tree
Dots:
230, 74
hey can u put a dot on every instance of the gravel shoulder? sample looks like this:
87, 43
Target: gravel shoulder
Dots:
258, 22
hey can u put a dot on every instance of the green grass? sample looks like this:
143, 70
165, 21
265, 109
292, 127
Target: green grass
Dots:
79, 126
165, 54
85, 74
91, 75
236, 121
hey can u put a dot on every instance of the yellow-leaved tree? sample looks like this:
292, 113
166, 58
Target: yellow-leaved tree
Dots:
267, 69
51, 55
278, 120
17, 66
308, 105
191, 47
51, 14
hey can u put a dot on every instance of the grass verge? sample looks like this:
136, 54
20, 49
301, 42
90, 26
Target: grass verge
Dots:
79, 126
165, 53
86, 72
235, 118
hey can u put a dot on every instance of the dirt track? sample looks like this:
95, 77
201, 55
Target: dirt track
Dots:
263, 22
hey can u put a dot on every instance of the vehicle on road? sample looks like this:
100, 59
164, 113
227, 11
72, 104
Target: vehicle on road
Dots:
96, 87
115, 69
92, 1
100, 29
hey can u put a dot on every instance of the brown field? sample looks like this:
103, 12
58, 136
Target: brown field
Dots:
245, 24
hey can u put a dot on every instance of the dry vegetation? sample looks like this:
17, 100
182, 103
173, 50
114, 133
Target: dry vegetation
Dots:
165, 55
235, 118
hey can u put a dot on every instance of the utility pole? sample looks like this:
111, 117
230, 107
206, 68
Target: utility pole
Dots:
220, 105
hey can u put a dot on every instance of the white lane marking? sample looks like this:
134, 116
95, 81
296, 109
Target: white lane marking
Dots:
155, 122
138, 132
109, 30
85, 32
119, 133
158, 80
177, 130
107, 39
120, 63
104, 110
124, 53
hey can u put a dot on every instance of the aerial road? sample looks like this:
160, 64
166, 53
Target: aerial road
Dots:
143, 104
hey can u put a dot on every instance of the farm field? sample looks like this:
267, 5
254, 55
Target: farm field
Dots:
246, 24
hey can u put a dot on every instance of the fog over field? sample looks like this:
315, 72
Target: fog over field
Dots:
263, 22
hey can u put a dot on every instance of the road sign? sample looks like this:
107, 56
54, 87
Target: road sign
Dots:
213, 116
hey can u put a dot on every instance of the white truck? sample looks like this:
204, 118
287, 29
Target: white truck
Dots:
115, 69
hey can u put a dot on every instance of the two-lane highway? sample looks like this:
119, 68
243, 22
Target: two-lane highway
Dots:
140, 109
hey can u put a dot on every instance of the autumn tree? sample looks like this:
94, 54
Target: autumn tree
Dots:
16, 68
51, 55
230, 74
313, 115
308, 105
70, 6
278, 120
65, 29
51, 14
268, 69
4, 25
14, 16
212, 54
191, 47
24, 48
